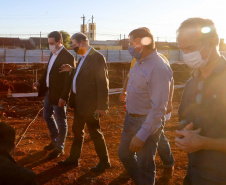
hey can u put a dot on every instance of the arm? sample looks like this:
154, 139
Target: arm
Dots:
186, 105
123, 93
159, 88
67, 83
191, 141
170, 102
102, 82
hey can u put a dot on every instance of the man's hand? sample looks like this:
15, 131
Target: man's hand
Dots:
61, 102
100, 113
65, 68
136, 144
122, 97
36, 85
189, 140
169, 107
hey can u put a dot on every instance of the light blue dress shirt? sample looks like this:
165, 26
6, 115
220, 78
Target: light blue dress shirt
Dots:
78, 69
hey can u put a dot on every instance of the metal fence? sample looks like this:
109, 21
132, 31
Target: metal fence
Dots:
38, 56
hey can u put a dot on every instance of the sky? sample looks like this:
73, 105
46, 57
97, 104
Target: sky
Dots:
25, 18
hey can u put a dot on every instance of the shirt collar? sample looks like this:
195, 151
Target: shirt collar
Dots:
219, 68
84, 56
59, 51
147, 58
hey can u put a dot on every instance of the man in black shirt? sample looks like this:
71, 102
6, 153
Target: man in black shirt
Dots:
10, 172
202, 112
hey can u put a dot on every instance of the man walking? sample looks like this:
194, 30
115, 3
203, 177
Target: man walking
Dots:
89, 98
146, 102
203, 105
54, 86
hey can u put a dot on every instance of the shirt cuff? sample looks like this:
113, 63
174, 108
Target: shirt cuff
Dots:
143, 134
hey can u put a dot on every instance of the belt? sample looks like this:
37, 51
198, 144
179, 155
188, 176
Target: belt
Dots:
136, 115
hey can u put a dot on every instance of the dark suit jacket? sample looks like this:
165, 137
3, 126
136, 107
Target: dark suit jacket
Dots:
58, 82
11, 173
92, 85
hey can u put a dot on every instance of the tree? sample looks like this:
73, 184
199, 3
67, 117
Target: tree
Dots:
66, 38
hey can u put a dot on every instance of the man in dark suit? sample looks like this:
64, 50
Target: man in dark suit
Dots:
89, 98
10, 172
54, 86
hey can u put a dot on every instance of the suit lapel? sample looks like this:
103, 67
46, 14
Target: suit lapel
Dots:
58, 59
87, 59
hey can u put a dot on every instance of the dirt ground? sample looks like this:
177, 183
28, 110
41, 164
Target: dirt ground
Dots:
20, 111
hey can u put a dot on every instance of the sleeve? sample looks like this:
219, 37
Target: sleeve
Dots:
68, 79
102, 81
186, 104
159, 88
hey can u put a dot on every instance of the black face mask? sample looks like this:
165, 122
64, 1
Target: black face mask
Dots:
76, 49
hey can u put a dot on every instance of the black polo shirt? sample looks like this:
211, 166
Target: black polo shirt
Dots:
204, 103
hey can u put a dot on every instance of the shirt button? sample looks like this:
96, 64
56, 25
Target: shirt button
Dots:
129, 84
132, 74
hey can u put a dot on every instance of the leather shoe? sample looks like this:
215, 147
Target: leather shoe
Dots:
55, 153
68, 162
101, 167
49, 147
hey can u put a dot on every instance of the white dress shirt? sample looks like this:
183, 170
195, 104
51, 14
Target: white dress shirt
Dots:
78, 69
51, 62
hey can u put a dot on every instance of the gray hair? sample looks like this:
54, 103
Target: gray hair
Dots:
79, 37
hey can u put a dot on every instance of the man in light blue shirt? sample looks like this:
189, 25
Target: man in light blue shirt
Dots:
146, 102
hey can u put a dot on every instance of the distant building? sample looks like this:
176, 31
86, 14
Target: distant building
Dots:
28, 44
11, 43
36, 41
165, 46
105, 45
84, 29
92, 31
159, 45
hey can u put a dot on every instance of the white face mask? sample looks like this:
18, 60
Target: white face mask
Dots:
53, 48
194, 59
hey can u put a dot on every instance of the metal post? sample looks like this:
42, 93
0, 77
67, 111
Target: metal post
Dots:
33, 78
25, 54
120, 55
5, 55
36, 75
42, 55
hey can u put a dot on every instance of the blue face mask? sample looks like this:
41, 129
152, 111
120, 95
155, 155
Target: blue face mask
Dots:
133, 53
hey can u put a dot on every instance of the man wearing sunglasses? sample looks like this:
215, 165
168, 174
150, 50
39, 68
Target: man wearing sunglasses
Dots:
202, 112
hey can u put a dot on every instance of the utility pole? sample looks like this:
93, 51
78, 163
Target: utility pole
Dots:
83, 25
92, 19
120, 37
40, 40
124, 41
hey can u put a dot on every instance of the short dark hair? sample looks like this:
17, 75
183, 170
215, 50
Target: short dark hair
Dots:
141, 33
79, 37
196, 24
7, 136
56, 35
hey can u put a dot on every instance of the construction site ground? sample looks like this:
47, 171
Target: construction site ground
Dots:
18, 112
